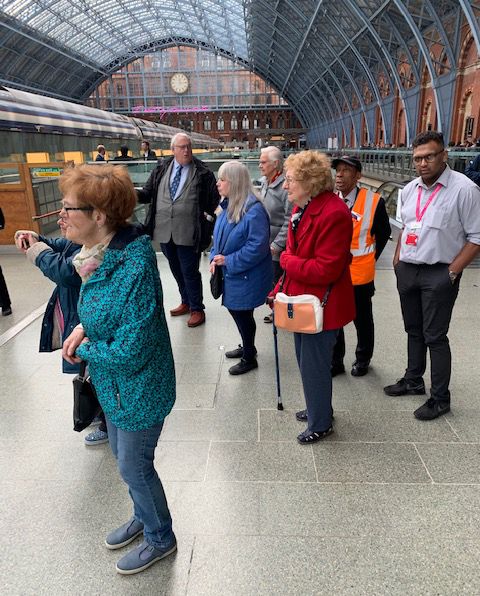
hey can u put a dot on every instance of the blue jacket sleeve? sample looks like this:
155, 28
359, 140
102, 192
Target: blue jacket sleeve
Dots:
257, 245
473, 170
58, 266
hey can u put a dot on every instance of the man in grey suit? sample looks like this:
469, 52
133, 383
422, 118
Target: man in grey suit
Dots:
183, 196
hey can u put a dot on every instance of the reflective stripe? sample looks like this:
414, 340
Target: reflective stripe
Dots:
363, 248
360, 252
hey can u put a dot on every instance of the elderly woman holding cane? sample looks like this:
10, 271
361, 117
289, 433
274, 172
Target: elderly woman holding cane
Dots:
241, 246
124, 338
316, 261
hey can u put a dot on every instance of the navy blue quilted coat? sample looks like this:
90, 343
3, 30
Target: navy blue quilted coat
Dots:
129, 352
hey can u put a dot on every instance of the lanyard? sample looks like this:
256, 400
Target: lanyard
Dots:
420, 213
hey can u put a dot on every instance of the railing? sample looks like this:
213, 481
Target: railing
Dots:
398, 163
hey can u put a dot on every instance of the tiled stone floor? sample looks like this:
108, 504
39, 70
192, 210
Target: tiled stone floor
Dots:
387, 505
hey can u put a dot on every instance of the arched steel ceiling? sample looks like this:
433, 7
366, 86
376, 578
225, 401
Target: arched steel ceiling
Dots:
337, 62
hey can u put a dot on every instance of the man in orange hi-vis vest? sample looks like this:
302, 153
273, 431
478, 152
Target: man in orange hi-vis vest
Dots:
371, 230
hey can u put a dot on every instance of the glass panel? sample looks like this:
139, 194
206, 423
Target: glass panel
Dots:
9, 175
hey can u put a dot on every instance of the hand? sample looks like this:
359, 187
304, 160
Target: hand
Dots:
76, 337
32, 238
219, 260
21, 239
274, 251
212, 267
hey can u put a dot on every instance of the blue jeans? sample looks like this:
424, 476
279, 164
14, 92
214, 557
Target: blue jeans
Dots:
184, 264
314, 357
134, 452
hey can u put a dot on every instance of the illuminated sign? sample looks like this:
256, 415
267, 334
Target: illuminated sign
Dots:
170, 110
46, 172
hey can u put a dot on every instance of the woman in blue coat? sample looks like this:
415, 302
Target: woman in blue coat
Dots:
124, 337
53, 256
241, 246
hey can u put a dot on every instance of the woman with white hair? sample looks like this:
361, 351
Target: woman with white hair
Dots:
241, 246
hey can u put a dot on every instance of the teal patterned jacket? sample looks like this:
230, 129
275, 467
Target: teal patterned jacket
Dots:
129, 352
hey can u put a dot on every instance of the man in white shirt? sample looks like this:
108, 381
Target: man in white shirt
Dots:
440, 212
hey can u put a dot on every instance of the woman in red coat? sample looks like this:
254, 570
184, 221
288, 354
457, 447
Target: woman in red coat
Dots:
317, 257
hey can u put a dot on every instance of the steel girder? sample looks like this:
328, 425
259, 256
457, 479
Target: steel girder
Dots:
332, 60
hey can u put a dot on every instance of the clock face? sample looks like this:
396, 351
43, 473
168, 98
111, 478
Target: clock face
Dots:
179, 82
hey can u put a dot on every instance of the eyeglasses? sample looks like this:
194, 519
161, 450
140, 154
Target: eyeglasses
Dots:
67, 209
182, 147
289, 180
427, 158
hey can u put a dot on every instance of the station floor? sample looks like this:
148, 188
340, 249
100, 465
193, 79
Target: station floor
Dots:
387, 505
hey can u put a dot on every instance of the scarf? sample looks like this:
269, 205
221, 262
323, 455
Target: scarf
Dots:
297, 216
88, 260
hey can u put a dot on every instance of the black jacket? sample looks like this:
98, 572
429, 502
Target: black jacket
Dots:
208, 199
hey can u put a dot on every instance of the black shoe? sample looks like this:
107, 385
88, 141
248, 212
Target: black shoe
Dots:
405, 387
432, 409
236, 353
309, 436
359, 369
337, 369
302, 416
243, 367
6, 311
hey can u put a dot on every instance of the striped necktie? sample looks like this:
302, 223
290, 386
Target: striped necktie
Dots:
175, 182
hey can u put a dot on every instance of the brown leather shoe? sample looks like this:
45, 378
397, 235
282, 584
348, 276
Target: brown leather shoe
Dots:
196, 318
183, 309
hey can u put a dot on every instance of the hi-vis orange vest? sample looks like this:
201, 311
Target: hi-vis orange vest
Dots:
362, 267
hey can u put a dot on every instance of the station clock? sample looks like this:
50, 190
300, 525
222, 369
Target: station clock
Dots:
179, 83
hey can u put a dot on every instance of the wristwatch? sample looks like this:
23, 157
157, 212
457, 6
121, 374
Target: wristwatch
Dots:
453, 276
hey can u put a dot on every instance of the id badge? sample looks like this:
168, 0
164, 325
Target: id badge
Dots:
416, 225
411, 239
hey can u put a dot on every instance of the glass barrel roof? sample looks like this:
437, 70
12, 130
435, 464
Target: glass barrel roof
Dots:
330, 59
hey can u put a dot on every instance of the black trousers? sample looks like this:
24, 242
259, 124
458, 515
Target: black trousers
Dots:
427, 297
247, 328
363, 324
4, 296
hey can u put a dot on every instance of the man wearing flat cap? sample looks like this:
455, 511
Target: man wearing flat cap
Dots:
371, 231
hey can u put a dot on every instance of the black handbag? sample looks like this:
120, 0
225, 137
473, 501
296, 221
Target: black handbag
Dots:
85, 402
216, 282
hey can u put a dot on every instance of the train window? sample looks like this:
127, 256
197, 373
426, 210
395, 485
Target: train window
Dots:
38, 157
75, 156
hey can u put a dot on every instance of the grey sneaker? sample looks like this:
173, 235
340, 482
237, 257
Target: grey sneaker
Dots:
124, 534
143, 557
96, 437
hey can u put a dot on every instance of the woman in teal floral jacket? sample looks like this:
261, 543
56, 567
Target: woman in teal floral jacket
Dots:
124, 338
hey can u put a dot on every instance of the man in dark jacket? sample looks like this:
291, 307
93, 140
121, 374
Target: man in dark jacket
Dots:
146, 152
5, 302
472, 170
183, 196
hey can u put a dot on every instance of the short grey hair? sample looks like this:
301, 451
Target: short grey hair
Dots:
173, 142
273, 154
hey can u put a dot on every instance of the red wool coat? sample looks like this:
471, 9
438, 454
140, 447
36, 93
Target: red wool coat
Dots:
319, 255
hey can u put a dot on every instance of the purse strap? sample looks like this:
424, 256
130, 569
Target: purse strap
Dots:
83, 370
324, 300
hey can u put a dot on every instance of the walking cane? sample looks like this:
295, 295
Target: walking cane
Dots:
277, 367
